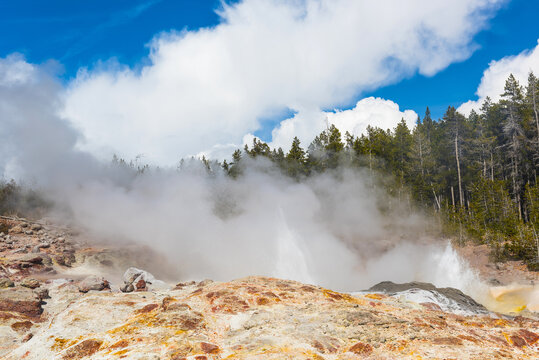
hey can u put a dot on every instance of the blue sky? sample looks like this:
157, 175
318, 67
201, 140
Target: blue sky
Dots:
81, 34
514, 28
78, 33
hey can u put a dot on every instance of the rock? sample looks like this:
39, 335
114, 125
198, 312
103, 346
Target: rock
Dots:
133, 274
301, 322
454, 296
141, 285
21, 326
17, 229
205, 282
141, 280
29, 232
93, 283
83, 349
36, 227
6, 283
65, 259
20, 300
209, 348
45, 259
126, 288
42, 293
30, 283
361, 349
181, 285
38, 247
31, 259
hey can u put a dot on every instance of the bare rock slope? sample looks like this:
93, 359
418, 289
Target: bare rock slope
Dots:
258, 318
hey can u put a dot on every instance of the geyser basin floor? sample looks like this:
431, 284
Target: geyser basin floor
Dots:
259, 318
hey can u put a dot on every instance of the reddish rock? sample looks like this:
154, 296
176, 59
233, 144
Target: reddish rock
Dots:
361, 349
431, 306
141, 285
119, 345
147, 309
530, 337
20, 300
326, 345
209, 348
447, 341
190, 321
517, 341
21, 326
83, 349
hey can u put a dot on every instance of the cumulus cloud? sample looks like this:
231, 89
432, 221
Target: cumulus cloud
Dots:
14, 70
382, 113
213, 85
369, 111
494, 77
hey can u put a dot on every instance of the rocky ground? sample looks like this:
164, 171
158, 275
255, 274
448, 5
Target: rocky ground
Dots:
51, 309
497, 273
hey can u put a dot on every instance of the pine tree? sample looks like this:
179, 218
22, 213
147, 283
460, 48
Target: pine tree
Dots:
532, 97
512, 101
295, 159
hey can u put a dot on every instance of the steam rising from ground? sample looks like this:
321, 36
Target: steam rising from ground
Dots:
329, 230
326, 230
334, 229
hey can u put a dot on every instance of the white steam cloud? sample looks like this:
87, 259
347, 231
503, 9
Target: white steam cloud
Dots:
494, 77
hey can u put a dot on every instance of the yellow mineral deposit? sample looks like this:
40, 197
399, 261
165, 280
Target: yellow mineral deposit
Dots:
513, 298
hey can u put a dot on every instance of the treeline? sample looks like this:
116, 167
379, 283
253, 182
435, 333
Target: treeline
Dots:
477, 174
21, 201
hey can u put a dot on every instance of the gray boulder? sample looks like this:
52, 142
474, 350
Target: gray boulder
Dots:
93, 283
140, 280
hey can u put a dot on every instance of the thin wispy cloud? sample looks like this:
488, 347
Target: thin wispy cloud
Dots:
85, 39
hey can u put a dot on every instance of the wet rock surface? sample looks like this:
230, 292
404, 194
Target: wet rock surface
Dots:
461, 300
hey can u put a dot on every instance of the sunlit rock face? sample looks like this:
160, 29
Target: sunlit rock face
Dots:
256, 318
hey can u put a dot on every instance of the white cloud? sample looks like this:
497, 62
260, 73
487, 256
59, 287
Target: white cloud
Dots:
494, 77
14, 70
369, 111
211, 86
